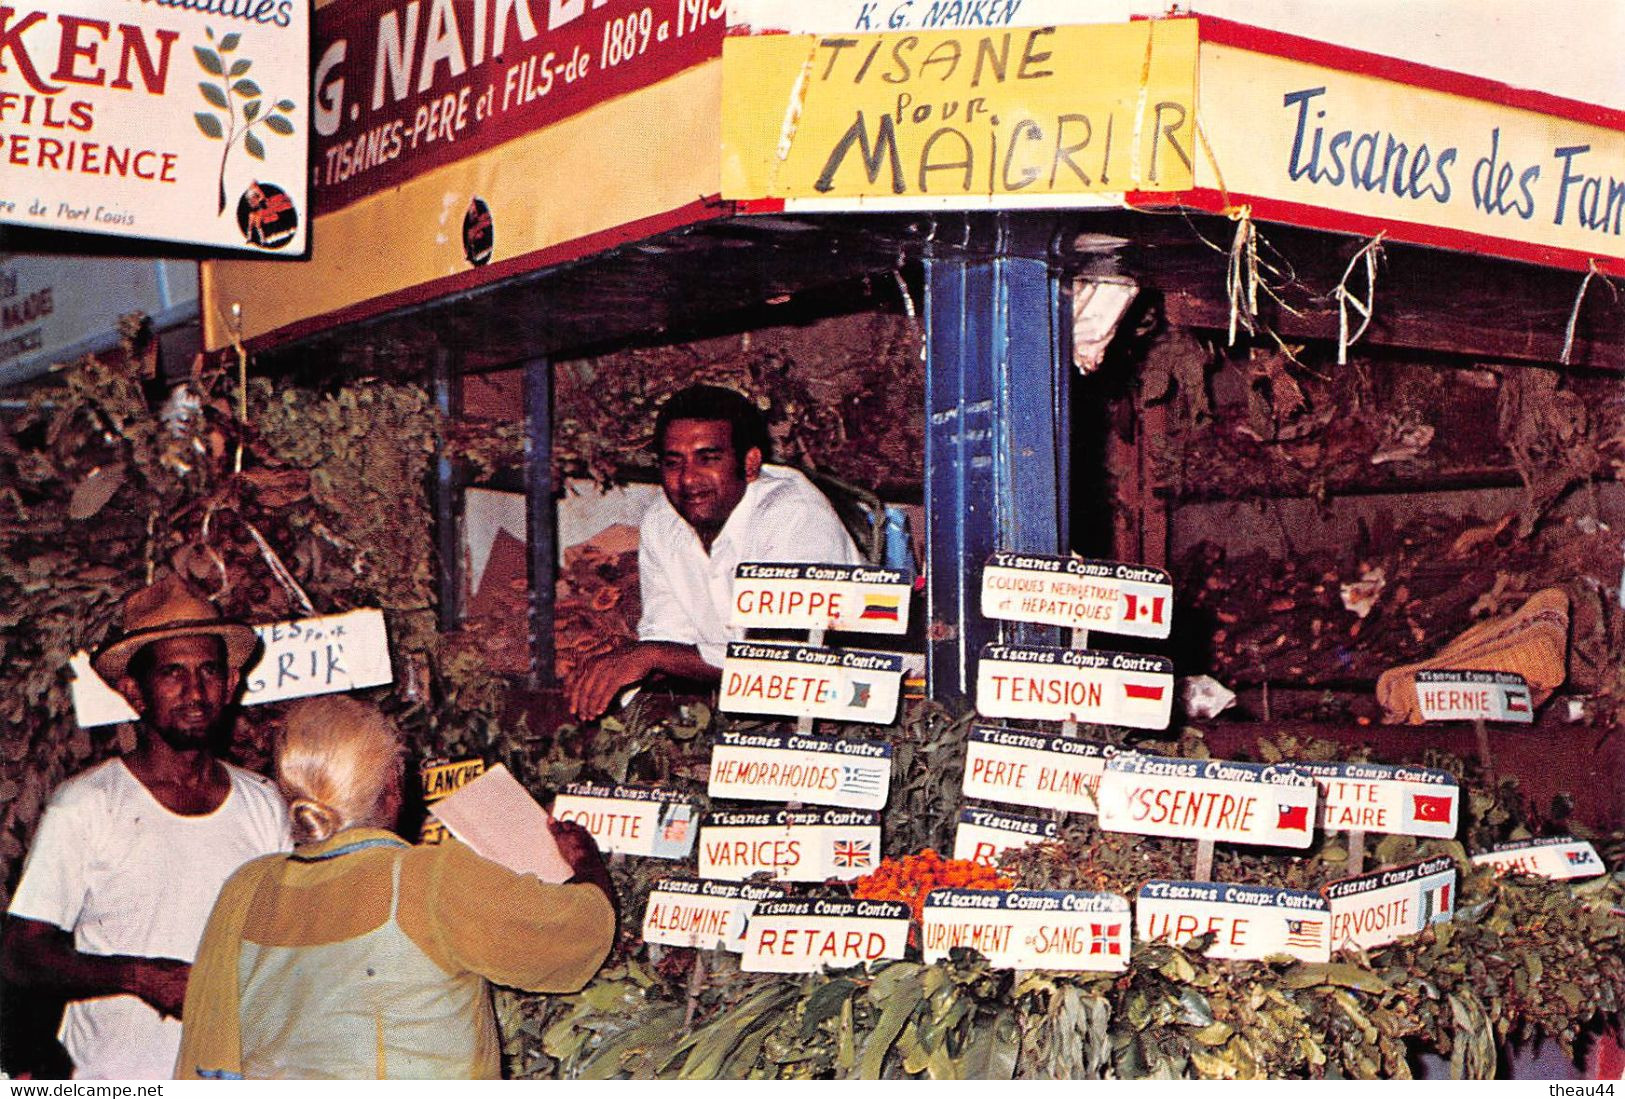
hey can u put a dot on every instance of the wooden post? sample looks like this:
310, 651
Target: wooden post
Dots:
1204, 861
1356, 859
1481, 733
1080, 640
805, 724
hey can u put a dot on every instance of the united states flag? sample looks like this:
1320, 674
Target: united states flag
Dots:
1304, 934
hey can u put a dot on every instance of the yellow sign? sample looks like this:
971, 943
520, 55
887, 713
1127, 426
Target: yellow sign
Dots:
1009, 116
442, 778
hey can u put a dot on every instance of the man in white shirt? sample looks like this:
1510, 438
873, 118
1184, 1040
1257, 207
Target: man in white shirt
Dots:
130, 855
722, 504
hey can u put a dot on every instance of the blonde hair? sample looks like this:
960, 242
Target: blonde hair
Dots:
337, 762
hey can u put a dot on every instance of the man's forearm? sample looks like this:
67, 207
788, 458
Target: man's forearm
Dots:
675, 659
36, 954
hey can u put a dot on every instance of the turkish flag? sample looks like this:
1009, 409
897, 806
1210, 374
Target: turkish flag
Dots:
1295, 817
1431, 809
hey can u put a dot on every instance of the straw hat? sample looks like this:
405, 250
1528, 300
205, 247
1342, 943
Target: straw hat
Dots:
171, 609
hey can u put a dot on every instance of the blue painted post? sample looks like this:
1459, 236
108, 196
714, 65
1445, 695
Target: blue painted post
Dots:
541, 517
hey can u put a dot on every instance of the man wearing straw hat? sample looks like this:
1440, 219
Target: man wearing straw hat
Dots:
130, 854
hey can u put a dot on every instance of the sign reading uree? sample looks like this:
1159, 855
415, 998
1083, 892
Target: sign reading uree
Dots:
790, 844
1246, 921
984, 834
1052, 684
1375, 797
762, 677
1474, 696
1030, 928
1385, 905
631, 820
1208, 799
1556, 857
1021, 768
808, 934
793, 767
301, 658
707, 915
820, 597
1079, 594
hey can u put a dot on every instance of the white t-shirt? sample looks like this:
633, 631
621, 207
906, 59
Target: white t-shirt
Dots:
687, 593
127, 876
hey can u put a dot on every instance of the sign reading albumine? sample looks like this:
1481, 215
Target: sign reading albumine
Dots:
1385, 905
1078, 594
1030, 928
820, 597
703, 914
1474, 696
1375, 797
1208, 799
1556, 857
1021, 768
790, 844
1052, 684
806, 935
1246, 921
984, 834
631, 820
769, 766
763, 677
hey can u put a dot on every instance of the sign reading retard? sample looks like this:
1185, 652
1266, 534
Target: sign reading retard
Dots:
1474, 696
1078, 594
789, 844
761, 677
1050, 684
1375, 797
1246, 921
1388, 904
1022, 768
820, 597
1030, 928
809, 934
631, 820
707, 915
1208, 799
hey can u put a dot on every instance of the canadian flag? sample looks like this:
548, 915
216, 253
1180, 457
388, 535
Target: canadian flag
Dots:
1136, 607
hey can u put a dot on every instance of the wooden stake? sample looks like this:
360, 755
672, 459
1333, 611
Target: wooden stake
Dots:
696, 981
1356, 860
1204, 861
1080, 640
1482, 733
806, 724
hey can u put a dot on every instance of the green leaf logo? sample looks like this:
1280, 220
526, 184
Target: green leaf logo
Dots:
241, 98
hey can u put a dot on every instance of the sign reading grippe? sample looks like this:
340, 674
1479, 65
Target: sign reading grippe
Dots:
782, 767
984, 835
1079, 594
999, 116
1208, 799
820, 597
1388, 904
707, 915
440, 778
1090, 685
762, 677
1474, 696
1556, 857
631, 820
1377, 797
1246, 921
1030, 928
790, 844
806, 935
1022, 768
167, 122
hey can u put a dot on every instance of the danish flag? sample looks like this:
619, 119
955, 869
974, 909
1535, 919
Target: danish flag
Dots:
1106, 939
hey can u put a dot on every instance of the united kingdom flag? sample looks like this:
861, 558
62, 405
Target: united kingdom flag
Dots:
853, 853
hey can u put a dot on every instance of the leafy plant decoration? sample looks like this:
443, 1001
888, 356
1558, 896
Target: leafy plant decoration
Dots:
241, 99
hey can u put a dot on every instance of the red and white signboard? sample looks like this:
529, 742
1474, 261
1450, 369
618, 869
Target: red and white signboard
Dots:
1246, 921
1386, 905
794, 767
1375, 797
811, 934
984, 834
762, 677
1050, 684
1208, 799
1082, 595
1021, 768
790, 844
707, 915
821, 597
1474, 696
1557, 857
1030, 928
631, 820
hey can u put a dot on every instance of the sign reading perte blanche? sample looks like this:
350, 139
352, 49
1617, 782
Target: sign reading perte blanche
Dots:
1037, 769
164, 121
1136, 600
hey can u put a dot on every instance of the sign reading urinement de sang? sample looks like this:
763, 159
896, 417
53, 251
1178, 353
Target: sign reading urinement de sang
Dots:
1208, 799
1557, 857
1388, 904
1377, 797
1052, 684
1024, 768
1474, 696
1246, 921
769, 766
1077, 593
1030, 928
821, 597
764, 677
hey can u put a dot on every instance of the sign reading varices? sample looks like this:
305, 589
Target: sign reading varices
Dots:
168, 121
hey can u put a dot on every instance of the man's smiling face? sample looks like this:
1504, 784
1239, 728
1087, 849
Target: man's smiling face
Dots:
703, 478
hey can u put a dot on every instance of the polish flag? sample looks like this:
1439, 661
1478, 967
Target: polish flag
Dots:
1144, 692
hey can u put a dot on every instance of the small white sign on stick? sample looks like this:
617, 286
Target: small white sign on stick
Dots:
781, 767
790, 844
855, 598
1208, 799
1136, 600
1474, 696
1052, 684
811, 934
1376, 797
1246, 921
1556, 857
1030, 928
1386, 905
1037, 769
631, 820
764, 677
706, 915
986, 834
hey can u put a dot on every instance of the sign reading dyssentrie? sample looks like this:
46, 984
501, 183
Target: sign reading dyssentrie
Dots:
1376, 797
1474, 696
1208, 799
807, 935
794, 767
820, 597
763, 677
1385, 905
1246, 921
1030, 928
1021, 768
441, 778
1052, 684
790, 844
703, 914
1079, 594
1556, 857
985, 834
631, 820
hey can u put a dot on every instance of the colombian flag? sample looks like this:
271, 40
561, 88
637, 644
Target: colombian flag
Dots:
879, 608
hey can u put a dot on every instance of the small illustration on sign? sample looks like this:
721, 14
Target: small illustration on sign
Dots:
266, 215
479, 234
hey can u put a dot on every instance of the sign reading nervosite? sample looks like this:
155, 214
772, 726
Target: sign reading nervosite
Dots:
1388, 904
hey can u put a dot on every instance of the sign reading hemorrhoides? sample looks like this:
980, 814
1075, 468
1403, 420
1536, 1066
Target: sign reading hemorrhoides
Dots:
1376, 797
820, 597
158, 121
703, 914
810, 934
1030, 928
1385, 905
762, 677
1208, 799
1474, 696
631, 820
795, 767
984, 834
1050, 684
1557, 857
1077, 593
1246, 921
789, 844
1022, 768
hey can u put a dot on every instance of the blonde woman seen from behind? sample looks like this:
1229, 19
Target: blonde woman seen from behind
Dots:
361, 956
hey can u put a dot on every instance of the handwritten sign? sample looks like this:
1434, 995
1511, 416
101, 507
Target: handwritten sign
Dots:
1021, 768
821, 597
439, 778
1052, 684
760, 677
1386, 905
1208, 799
984, 835
706, 915
792, 767
1078, 594
1470, 696
1376, 797
790, 844
631, 820
1556, 857
301, 658
1246, 921
1030, 928
811, 934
